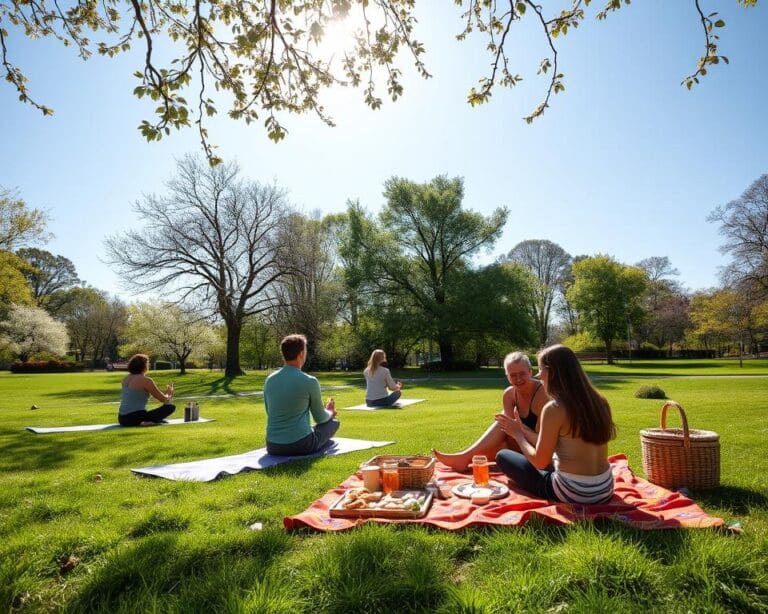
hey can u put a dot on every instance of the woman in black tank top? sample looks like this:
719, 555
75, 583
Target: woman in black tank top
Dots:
524, 393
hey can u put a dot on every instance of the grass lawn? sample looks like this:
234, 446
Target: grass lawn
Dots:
80, 532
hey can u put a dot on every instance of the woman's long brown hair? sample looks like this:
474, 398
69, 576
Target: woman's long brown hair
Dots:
588, 411
377, 357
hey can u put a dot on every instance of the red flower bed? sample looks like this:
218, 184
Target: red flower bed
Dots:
45, 366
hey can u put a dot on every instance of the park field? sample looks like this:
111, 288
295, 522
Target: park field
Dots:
81, 533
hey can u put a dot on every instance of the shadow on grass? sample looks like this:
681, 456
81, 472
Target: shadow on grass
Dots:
735, 499
87, 395
27, 451
223, 384
168, 564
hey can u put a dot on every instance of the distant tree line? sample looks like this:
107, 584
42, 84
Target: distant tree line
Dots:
238, 268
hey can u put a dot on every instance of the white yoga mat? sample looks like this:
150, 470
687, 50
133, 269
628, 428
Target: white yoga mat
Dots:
105, 427
212, 468
400, 404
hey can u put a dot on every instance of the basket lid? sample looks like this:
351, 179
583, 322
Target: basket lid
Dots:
676, 434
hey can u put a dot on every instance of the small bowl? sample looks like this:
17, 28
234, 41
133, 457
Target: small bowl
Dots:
481, 496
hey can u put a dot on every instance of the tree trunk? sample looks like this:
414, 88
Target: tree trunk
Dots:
609, 351
232, 368
446, 351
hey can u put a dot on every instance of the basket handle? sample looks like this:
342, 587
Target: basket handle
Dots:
686, 436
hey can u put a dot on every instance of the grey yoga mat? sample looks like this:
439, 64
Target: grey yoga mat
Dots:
211, 468
399, 404
41, 430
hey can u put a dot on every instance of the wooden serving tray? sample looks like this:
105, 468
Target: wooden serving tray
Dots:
336, 511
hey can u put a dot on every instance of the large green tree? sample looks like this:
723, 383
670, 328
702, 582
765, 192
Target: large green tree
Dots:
608, 297
48, 275
211, 241
422, 247
14, 289
20, 225
269, 57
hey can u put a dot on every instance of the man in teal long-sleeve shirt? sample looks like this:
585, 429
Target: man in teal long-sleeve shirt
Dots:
290, 396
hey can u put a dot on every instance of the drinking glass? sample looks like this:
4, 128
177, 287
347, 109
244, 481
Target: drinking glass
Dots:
480, 471
390, 478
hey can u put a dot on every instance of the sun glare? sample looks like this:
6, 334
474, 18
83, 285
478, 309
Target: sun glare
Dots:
338, 39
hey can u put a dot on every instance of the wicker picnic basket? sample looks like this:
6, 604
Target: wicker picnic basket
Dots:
677, 457
415, 476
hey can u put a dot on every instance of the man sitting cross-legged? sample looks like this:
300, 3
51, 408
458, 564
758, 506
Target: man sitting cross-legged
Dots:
290, 395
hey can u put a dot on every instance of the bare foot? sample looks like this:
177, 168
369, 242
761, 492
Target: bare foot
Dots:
457, 462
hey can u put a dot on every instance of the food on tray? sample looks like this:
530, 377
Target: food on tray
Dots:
362, 498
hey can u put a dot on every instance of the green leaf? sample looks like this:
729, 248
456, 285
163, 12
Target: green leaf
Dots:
719, 23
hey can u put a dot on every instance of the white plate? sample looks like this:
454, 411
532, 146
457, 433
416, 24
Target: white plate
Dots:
467, 489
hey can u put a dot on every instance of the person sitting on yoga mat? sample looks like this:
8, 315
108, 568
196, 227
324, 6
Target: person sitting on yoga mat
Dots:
380, 389
574, 429
135, 393
525, 394
290, 396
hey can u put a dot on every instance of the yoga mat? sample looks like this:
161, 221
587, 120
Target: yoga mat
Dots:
41, 430
211, 468
636, 502
400, 404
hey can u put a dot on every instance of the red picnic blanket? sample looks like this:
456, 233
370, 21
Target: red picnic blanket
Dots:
636, 502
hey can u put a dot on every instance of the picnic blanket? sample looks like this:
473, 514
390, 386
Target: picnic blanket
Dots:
42, 430
636, 502
397, 405
213, 468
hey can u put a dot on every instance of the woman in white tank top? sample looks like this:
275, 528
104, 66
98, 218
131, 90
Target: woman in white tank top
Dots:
380, 389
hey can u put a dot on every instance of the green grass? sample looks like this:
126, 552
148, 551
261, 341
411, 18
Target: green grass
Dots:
141, 544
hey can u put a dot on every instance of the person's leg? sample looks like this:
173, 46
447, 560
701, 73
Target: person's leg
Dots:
297, 448
489, 444
382, 402
392, 398
161, 413
135, 418
323, 433
520, 470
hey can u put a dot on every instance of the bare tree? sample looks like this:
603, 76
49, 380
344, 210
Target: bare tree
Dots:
744, 224
211, 241
308, 293
550, 265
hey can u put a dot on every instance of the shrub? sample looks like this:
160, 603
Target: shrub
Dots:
161, 365
650, 391
46, 366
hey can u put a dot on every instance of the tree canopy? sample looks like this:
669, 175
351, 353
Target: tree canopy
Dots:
605, 293
419, 253
19, 224
268, 56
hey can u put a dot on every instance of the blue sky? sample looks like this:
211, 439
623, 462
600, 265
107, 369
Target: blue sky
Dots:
626, 162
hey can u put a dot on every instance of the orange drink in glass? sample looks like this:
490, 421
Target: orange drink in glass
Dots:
480, 471
390, 479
